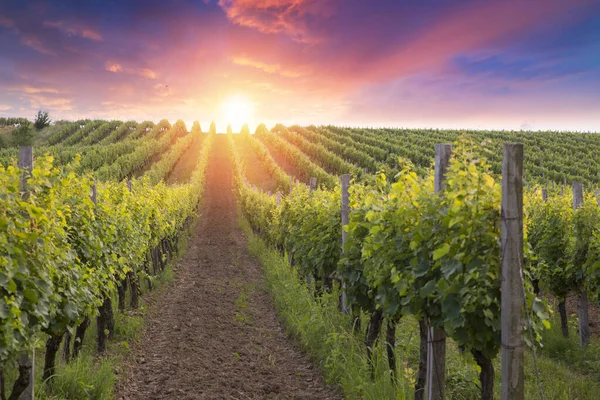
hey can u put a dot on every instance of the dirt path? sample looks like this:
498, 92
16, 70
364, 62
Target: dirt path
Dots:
214, 334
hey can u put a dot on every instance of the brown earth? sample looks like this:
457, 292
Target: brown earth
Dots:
214, 333
182, 171
255, 172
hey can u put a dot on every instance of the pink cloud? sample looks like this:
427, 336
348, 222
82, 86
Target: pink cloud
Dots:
468, 29
35, 43
8, 23
74, 30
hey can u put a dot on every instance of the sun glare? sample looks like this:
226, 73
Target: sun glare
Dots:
237, 110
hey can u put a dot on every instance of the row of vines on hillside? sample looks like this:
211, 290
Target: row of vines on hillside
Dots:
69, 243
408, 251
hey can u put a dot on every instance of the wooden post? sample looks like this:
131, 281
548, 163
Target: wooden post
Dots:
544, 194
269, 193
129, 186
584, 325
311, 188
278, 198
94, 194
26, 164
436, 337
313, 185
513, 300
345, 221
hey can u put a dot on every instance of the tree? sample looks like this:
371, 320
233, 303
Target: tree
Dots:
23, 135
213, 128
42, 120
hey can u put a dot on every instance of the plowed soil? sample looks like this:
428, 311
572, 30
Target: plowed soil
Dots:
214, 333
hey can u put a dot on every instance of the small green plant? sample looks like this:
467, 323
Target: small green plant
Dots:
241, 303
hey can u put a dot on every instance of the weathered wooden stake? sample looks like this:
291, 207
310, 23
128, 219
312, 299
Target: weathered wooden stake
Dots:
584, 325
345, 220
436, 337
311, 188
312, 185
278, 198
25, 164
129, 186
25, 362
544, 194
513, 300
94, 194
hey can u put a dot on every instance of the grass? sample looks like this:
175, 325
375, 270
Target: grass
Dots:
567, 350
565, 372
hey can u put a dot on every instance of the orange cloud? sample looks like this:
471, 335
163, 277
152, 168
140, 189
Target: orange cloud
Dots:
146, 73
4, 107
143, 72
277, 16
35, 90
113, 67
55, 103
269, 68
74, 30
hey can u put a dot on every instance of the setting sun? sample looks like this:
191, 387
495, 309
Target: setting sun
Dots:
237, 110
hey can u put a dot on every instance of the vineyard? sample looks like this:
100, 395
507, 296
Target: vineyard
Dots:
422, 261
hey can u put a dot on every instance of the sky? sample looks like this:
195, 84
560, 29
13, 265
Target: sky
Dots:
479, 64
